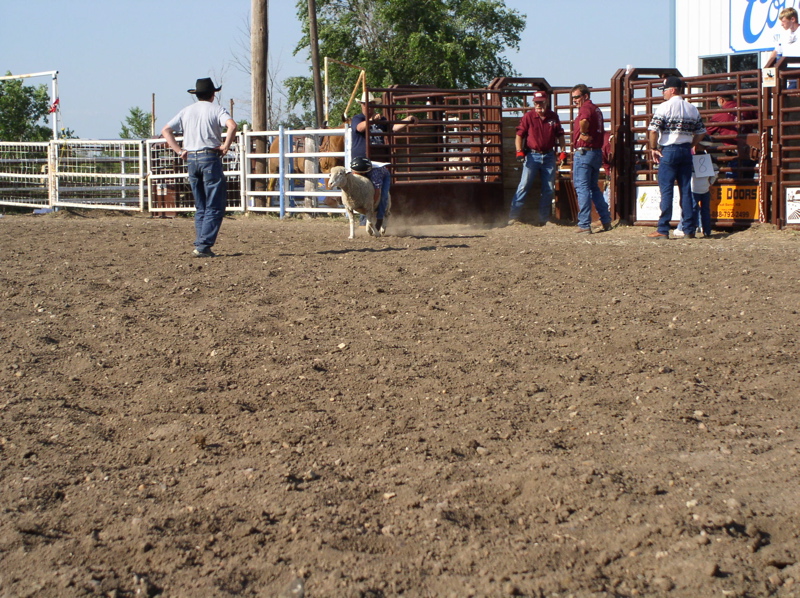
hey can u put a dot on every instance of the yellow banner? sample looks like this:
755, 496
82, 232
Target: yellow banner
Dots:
734, 202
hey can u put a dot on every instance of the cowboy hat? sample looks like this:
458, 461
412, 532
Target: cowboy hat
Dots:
204, 86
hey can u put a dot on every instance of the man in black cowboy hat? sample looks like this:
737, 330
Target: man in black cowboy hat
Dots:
202, 124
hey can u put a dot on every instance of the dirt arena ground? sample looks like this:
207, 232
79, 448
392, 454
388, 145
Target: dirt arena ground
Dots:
451, 411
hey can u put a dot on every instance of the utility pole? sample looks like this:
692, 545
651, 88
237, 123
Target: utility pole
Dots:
259, 46
312, 29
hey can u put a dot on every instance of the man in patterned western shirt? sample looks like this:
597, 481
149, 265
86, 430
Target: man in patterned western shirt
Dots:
676, 128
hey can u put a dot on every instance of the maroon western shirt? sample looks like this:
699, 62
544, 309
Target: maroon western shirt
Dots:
726, 122
540, 134
593, 114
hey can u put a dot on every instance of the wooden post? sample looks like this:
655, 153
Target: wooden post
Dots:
312, 28
311, 166
153, 116
259, 46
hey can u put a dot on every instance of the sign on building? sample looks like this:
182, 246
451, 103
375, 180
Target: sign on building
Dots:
754, 23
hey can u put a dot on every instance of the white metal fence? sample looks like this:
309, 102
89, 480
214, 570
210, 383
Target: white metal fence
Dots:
145, 174
24, 179
98, 174
168, 187
289, 170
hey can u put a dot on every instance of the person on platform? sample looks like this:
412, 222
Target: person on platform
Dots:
202, 124
787, 42
539, 136
587, 147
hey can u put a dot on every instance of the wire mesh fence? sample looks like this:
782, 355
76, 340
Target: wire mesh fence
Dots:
24, 179
99, 174
168, 188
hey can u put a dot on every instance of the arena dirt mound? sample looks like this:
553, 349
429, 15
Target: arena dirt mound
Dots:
439, 412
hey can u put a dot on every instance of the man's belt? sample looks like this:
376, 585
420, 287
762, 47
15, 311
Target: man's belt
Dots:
538, 153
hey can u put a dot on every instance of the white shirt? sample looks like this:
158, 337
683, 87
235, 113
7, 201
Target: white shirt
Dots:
789, 42
677, 121
202, 125
702, 184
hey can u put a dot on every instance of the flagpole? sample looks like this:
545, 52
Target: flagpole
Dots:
55, 105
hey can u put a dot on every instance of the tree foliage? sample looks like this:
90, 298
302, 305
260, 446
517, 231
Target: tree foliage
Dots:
136, 125
449, 44
23, 111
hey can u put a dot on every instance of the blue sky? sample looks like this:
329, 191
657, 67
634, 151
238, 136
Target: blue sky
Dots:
114, 54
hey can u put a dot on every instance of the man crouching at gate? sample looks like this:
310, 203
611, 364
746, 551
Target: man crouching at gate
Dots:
538, 135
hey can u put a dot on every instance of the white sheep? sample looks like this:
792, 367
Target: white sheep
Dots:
358, 196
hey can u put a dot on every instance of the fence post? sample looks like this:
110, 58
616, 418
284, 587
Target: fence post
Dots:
311, 166
244, 169
281, 172
52, 164
143, 174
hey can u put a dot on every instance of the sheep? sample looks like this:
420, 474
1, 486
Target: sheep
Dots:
358, 196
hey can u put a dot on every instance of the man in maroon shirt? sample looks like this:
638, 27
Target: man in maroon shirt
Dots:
726, 125
587, 144
538, 135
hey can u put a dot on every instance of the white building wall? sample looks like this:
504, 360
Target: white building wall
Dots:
717, 27
702, 28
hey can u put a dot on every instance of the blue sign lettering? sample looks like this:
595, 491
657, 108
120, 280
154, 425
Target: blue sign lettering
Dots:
758, 19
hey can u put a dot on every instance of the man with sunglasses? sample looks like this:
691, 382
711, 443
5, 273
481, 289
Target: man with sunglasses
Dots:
675, 130
587, 147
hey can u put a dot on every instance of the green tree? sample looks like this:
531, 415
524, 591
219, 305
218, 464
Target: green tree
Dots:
136, 125
23, 111
456, 44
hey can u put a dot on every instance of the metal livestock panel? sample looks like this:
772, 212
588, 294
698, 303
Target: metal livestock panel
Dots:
24, 174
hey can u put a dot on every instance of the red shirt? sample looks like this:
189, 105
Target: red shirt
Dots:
540, 134
607, 149
593, 114
729, 119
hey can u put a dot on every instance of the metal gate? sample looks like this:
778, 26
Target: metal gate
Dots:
24, 174
277, 179
168, 187
447, 167
741, 195
98, 174
785, 96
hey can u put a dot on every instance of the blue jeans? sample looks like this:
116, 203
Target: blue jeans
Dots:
383, 203
543, 165
210, 192
747, 169
585, 177
702, 209
676, 165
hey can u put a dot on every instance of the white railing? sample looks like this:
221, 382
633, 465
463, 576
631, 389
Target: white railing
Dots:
273, 187
131, 174
168, 187
24, 178
98, 174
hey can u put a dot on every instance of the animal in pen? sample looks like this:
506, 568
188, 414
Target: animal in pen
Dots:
330, 143
358, 195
